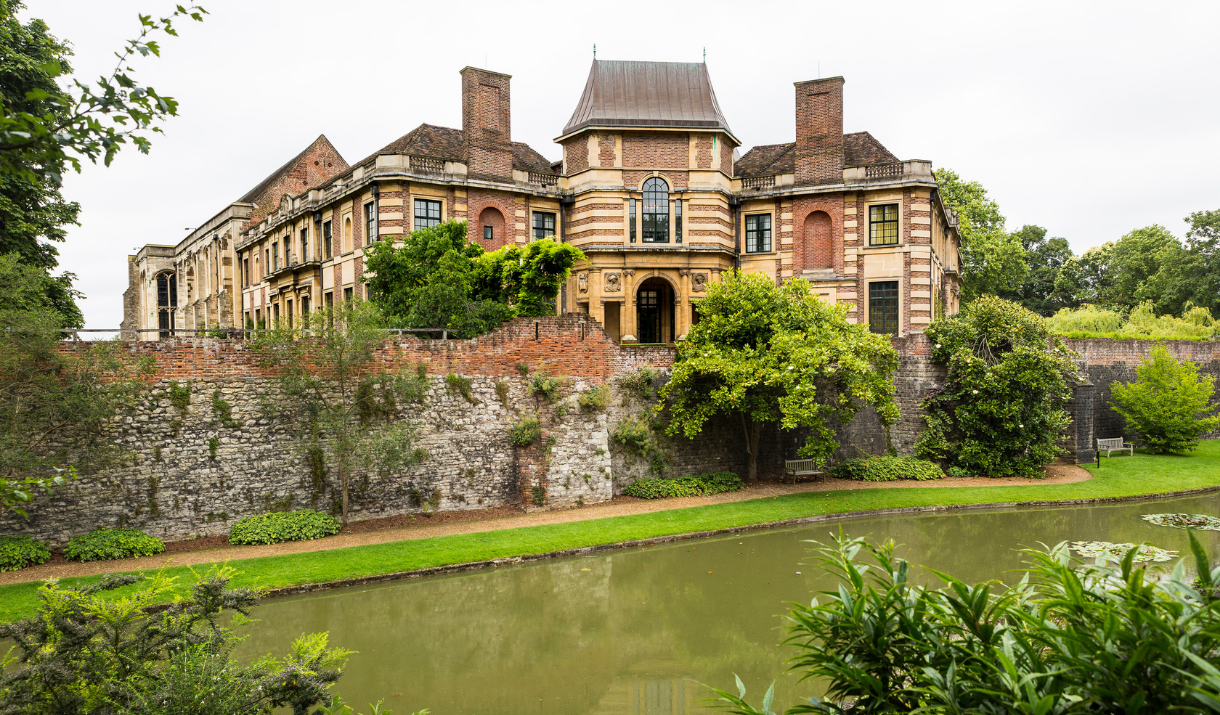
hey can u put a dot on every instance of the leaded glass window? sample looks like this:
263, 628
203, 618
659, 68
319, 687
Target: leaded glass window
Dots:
883, 307
883, 225
656, 211
544, 225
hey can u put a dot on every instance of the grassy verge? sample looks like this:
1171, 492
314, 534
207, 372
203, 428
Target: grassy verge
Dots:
1117, 477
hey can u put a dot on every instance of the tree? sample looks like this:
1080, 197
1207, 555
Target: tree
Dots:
56, 401
92, 122
1000, 412
762, 354
432, 278
993, 260
1135, 259
1190, 275
348, 403
87, 653
1045, 257
1072, 638
1169, 404
1088, 279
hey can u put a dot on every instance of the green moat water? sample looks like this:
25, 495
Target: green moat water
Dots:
636, 631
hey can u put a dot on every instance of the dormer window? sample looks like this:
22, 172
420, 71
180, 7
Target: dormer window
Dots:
656, 211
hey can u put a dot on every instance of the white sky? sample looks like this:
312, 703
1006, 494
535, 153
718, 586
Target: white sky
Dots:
1090, 119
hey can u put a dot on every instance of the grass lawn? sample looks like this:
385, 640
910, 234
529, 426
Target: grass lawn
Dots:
1119, 476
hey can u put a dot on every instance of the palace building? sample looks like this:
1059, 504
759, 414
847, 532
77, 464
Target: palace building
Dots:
652, 188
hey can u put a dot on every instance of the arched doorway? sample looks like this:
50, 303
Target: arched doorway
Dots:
817, 241
654, 311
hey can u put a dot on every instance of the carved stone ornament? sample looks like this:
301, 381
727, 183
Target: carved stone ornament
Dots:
613, 283
582, 282
629, 271
698, 281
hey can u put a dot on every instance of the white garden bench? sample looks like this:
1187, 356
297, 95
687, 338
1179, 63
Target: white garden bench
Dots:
801, 468
1115, 445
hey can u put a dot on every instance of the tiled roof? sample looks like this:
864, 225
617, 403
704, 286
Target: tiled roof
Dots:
446, 143
253, 195
859, 149
648, 94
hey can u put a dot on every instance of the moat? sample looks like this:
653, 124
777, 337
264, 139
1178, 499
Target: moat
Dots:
637, 631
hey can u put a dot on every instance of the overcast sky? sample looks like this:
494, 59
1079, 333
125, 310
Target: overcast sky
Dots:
1090, 119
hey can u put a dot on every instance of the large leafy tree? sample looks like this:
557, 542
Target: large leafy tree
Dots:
1135, 259
1000, 412
1045, 257
1189, 275
993, 260
1169, 404
433, 278
1087, 279
762, 354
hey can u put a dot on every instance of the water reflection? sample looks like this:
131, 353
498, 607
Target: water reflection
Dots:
636, 631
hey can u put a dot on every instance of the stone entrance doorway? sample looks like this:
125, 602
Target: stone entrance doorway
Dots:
654, 311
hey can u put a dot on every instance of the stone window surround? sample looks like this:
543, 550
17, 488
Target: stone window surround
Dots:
774, 243
863, 239
903, 323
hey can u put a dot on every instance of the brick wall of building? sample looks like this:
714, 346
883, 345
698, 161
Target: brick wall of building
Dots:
477, 203
819, 131
486, 124
656, 151
823, 249
576, 154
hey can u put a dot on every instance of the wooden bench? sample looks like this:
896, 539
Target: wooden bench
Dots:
801, 468
1115, 445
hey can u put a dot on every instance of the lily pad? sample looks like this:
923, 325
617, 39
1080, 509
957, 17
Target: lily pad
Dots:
1116, 552
1203, 522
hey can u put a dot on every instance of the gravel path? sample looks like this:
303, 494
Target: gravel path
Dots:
620, 506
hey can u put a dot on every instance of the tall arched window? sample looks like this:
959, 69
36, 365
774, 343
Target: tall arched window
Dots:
167, 301
656, 211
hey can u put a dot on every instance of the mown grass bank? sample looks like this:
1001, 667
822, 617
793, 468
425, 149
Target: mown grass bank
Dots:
1117, 477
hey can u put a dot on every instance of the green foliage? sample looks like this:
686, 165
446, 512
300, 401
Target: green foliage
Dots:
278, 527
1169, 404
1045, 258
525, 432
433, 278
223, 411
523, 369
53, 127
107, 544
688, 486
502, 392
887, 469
1069, 639
1000, 412
539, 496
993, 260
461, 385
765, 354
344, 400
595, 399
548, 386
56, 402
641, 384
17, 552
90, 652
213, 446
1142, 323
640, 434
180, 396
561, 410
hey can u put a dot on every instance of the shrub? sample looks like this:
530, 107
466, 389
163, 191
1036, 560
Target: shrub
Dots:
1000, 412
278, 527
108, 544
688, 486
887, 469
1069, 638
525, 432
547, 386
17, 552
1168, 405
641, 383
502, 392
1089, 321
594, 399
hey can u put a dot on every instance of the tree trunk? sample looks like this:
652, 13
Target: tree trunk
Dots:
753, 433
343, 486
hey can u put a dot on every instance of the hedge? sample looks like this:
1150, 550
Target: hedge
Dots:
887, 469
688, 486
108, 544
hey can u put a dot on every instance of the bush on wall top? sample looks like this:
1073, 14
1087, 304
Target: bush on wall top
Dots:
277, 527
108, 544
17, 552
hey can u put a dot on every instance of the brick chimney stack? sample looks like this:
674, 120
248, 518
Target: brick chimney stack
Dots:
486, 125
819, 131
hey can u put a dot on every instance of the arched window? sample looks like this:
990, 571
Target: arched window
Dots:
492, 222
167, 301
819, 240
656, 211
